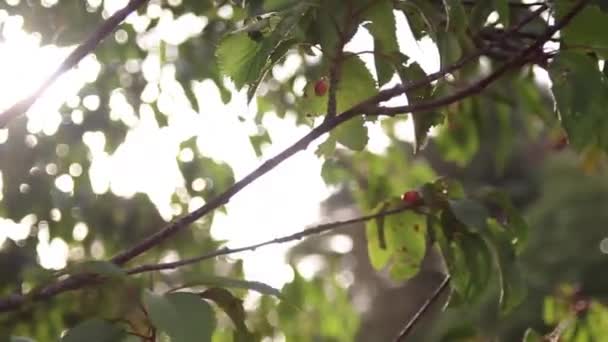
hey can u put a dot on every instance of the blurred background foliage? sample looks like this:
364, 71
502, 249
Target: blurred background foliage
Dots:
505, 138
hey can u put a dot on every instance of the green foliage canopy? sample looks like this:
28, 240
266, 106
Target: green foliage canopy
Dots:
490, 56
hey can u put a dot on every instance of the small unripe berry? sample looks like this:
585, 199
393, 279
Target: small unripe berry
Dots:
411, 197
321, 87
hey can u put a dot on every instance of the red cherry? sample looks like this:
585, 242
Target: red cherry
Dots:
321, 87
560, 143
411, 197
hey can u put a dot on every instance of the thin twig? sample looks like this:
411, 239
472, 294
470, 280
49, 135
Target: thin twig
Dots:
555, 335
423, 309
71, 60
316, 230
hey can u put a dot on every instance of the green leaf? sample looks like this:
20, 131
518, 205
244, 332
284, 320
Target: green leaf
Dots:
384, 69
326, 148
239, 58
329, 24
553, 310
411, 73
233, 307
99, 267
352, 134
333, 172
437, 193
278, 5
377, 249
459, 139
183, 316
470, 264
451, 188
423, 17
279, 52
246, 60
587, 29
449, 48
220, 174
459, 269
479, 14
94, 330
516, 226
423, 121
258, 141
356, 85
502, 8
581, 94
512, 284
470, 213
433, 196
189, 92
382, 27
457, 17
161, 311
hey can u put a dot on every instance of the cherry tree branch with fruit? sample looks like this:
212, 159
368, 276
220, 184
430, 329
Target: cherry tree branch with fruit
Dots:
369, 107
344, 95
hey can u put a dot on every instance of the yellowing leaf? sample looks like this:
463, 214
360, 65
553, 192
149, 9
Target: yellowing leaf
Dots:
405, 236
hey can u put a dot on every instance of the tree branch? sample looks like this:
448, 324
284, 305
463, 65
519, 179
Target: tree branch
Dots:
399, 89
362, 108
329, 124
480, 85
558, 331
369, 107
512, 4
316, 230
225, 197
423, 309
73, 58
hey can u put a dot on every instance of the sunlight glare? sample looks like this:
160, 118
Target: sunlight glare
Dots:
80, 231
51, 254
280, 203
311, 265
